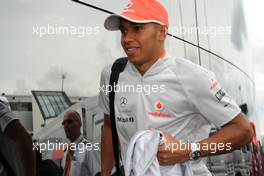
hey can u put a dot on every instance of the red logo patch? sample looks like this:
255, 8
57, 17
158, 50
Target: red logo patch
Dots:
159, 106
213, 85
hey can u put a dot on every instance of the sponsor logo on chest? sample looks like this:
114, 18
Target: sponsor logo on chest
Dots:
125, 119
159, 110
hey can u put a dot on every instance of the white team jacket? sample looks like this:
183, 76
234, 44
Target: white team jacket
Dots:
141, 157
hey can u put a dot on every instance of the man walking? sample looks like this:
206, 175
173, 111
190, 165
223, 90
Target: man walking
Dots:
185, 99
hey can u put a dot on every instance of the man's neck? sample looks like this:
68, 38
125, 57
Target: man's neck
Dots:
75, 138
142, 68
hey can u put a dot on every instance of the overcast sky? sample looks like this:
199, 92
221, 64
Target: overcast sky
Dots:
31, 62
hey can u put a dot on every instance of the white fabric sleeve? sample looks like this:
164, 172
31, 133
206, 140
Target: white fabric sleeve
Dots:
103, 94
209, 98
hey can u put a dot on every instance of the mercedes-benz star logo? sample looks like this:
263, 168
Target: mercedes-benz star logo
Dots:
123, 102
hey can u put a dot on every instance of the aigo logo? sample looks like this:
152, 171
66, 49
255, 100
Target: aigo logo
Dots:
159, 106
214, 84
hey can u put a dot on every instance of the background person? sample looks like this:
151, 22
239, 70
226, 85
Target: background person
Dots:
16, 145
79, 162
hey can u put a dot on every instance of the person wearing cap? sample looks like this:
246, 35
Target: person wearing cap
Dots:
78, 160
16, 144
188, 103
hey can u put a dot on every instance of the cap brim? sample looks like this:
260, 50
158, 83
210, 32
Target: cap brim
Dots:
112, 23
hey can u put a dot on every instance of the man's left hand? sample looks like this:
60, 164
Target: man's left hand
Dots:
171, 152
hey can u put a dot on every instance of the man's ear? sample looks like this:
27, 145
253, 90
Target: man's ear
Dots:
162, 32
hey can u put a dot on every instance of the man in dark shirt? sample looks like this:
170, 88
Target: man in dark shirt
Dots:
16, 146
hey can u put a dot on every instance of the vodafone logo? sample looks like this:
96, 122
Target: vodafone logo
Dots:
129, 8
129, 5
159, 106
